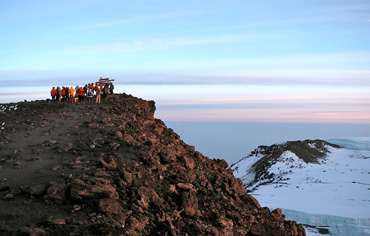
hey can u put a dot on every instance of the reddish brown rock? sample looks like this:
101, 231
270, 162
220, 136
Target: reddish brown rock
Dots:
148, 196
227, 225
110, 206
138, 224
31, 232
38, 189
127, 138
190, 203
189, 162
57, 192
252, 200
119, 134
187, 186
93, 188
66, 148
120, 172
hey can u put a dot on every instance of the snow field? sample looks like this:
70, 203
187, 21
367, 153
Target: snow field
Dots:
334, 193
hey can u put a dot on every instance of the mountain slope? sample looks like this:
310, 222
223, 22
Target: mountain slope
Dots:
314, 181
113, 169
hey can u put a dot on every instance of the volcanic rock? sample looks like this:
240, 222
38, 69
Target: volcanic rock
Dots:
120, 172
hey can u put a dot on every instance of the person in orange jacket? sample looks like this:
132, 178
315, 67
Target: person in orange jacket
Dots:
53, 93
71, 92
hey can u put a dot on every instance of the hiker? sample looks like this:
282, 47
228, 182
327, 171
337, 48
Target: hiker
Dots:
105, 90
77, 89
53, 94
85, 89
111, 87
98, 95
92, 88
59, 94
66, 89
96, 88
71, 92
63, 93
67, 94
81, 94
89, 94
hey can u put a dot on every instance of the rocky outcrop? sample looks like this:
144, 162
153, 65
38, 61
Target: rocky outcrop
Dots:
113, 169
264, 157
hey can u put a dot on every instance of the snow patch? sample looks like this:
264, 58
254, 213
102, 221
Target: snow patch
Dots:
8, 107
3, 109
243, 169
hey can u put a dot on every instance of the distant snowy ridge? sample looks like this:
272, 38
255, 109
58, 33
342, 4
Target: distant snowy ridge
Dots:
314, 181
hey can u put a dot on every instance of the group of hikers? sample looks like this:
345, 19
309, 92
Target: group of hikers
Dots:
78, 94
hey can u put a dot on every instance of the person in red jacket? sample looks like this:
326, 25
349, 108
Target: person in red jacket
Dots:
81, 94
63, 93
92, 88
96, 88
53, 93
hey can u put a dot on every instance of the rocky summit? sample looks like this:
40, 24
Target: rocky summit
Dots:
113, 169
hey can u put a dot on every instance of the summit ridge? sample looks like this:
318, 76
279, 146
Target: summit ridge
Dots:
114, 169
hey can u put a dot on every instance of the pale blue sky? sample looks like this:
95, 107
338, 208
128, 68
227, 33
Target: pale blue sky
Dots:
268, 60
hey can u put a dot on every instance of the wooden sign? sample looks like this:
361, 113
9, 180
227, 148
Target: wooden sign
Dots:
104, 81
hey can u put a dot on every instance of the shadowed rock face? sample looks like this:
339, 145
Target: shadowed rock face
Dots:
113, 169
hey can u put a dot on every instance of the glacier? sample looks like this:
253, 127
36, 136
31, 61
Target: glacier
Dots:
331, 194
359, 143
336, 225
